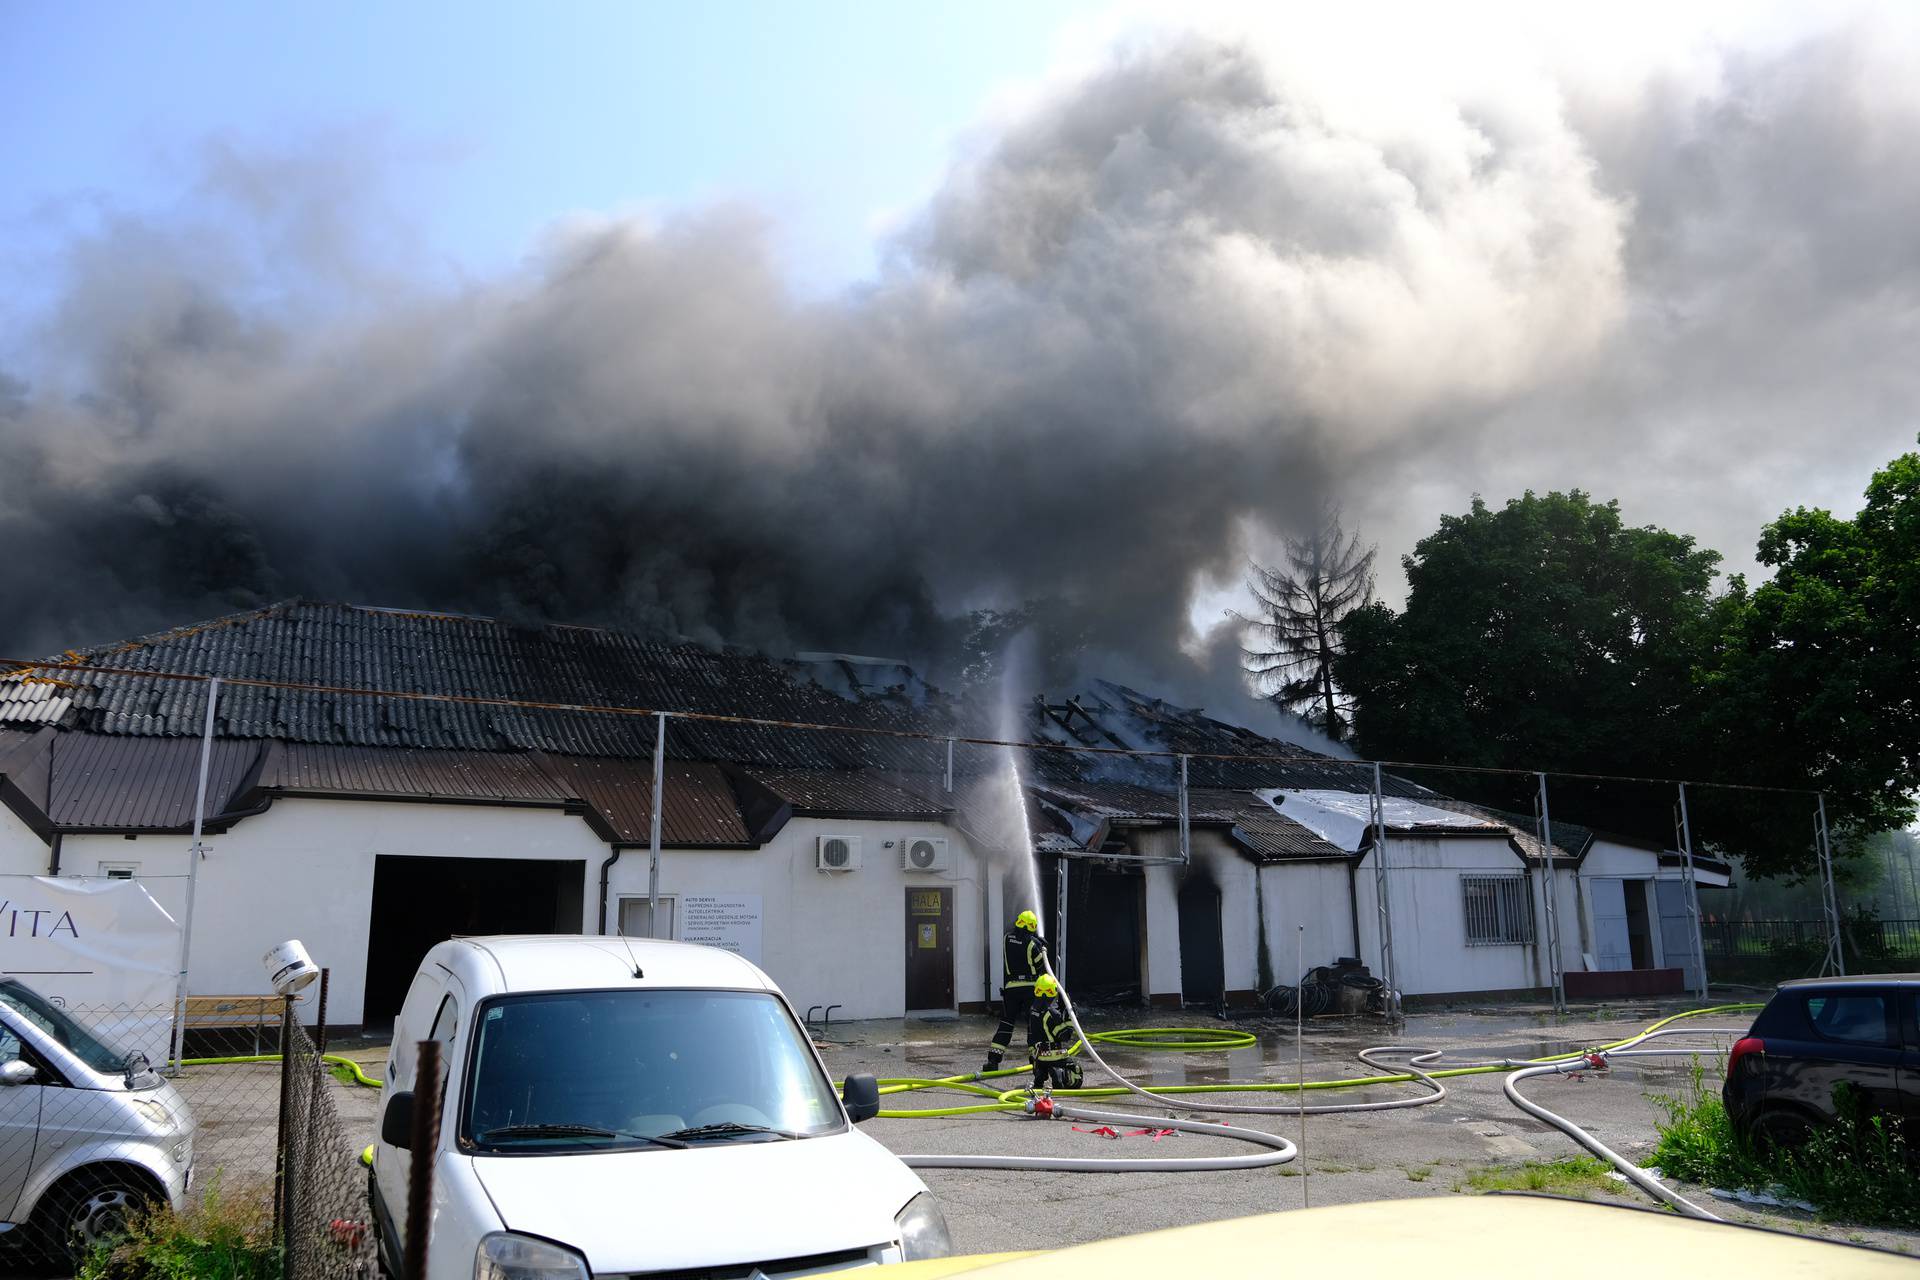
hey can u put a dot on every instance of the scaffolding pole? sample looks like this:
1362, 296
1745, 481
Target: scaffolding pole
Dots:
195, 852
1836, 959
1551, 899
653, 838
1693, 891
1390, 984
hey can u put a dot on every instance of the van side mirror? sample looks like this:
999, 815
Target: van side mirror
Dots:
18, 1071
861, 1094
396, 1124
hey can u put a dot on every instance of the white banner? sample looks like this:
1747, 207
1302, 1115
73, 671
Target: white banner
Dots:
729, 921
103, 949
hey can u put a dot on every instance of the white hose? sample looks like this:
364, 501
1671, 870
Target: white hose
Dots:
1632, 1172
1280, 1150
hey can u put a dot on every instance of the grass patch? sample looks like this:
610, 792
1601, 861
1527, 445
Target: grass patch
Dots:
1420, 1173
1859, 1170
221, 1238
1574, 1176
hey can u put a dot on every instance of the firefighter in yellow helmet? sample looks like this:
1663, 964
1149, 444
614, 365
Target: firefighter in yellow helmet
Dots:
1025, 962
1050, 1038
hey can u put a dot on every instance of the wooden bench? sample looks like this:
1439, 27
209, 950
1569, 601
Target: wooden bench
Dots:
235, 1013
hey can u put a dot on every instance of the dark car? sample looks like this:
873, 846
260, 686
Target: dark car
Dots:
1821, 1033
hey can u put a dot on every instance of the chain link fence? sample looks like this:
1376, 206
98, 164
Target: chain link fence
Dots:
326, 1223
100, 1132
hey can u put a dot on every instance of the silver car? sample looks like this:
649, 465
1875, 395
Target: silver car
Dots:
89, 1135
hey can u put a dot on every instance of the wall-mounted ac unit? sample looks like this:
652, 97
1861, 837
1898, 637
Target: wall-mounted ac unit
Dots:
837, 853
924, 853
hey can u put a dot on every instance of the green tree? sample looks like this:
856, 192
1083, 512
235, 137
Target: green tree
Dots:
1817, 679
1545, 634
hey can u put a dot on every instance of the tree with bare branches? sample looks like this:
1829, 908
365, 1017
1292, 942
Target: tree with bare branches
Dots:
1294, 633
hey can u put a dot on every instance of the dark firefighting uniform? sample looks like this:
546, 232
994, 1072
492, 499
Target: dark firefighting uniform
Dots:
1025, 954
1049, 1037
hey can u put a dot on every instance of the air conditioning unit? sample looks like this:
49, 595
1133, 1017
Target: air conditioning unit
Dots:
924, 853
837, 853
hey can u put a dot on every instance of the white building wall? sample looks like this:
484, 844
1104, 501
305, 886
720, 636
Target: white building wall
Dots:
1314, 894
1431, 955
1254, 901
840, 937
304, 869
22, 853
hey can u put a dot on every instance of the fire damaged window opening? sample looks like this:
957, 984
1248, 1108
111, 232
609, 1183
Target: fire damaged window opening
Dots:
1499, 910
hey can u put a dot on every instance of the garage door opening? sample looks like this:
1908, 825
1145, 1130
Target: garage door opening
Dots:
418, 902
1106, 933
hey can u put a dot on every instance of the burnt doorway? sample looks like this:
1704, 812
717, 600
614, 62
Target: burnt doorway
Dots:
418, 902
1639, 924
1104, 927
929, 949
1203, 966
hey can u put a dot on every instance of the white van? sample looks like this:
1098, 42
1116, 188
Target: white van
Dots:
89, 1135
615, 1107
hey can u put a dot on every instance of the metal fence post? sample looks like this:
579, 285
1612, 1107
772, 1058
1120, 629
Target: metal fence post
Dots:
1389, 981
653, 840
320, 1018
283, 1162
1836, 960
1693, 888
1553, 901
424, 1140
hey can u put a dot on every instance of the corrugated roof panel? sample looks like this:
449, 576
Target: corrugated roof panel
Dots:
837, 792
134, 784
699, 805
413, 773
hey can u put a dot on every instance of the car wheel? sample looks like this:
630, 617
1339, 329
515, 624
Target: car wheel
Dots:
1781, 1131
90, 1209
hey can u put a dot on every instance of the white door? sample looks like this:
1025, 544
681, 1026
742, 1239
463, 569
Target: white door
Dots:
19, 1129
1676, 930
1611, 948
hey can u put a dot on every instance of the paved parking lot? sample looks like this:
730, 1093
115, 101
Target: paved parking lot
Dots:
1422, 1151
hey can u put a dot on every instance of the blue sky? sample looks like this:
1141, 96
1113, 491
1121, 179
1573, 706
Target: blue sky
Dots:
505, 117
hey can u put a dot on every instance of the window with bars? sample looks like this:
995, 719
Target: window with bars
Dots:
1499, 910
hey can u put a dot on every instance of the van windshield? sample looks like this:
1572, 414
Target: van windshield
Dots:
59, 1024
565, 1070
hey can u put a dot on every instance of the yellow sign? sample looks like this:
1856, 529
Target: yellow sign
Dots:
924, 902
929, 937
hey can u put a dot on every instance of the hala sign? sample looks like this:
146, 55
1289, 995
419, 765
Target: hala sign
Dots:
103, 949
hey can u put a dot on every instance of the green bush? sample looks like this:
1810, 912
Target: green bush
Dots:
1859, 1169
221, 1238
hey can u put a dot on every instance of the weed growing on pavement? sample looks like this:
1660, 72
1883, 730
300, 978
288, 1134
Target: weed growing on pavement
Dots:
1573, 1176
220, 1238
1420, 1173
1859, 1169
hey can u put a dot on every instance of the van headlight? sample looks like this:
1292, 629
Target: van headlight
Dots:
923, 1231
153, 1111
506, 1256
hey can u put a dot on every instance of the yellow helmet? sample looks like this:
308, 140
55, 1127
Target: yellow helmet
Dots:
1044, 986
1028, 921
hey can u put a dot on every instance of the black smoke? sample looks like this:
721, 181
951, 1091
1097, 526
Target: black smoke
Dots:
1172, 301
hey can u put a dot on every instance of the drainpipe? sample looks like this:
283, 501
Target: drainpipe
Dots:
606, 873
1353, 902
1186, 847
53, 863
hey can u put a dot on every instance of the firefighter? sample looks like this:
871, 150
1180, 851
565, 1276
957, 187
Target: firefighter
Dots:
1025, 962
1050, 1038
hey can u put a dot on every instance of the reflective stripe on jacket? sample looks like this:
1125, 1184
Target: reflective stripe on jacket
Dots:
1025, 952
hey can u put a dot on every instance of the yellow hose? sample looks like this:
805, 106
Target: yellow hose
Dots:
1207, 1038
347, 1069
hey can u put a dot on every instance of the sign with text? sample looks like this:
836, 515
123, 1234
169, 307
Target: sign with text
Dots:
103, 949
730, 921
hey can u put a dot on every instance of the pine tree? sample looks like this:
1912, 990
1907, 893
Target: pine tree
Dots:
1294, 635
